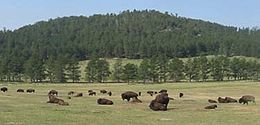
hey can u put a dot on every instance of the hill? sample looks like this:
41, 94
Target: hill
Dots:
130, 34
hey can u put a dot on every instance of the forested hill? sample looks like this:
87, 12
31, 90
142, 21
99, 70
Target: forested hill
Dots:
130, 34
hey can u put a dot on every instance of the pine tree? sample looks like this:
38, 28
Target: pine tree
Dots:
176, 67
129, 72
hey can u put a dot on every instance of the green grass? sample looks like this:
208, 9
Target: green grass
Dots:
32, 109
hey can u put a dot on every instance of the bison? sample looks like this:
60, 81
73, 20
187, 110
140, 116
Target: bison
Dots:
221, 100
128, 95
92, 93
230, 100
103, 91
4, 89
53, 99
211, 107
30, 91
109, 93
163, 99
53, 92
71, 92
156, 106
103, 101
79, 95
246, 98
212, 101
89, 91
150, 92
181, 95
20, 90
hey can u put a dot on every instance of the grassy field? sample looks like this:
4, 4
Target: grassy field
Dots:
32, 109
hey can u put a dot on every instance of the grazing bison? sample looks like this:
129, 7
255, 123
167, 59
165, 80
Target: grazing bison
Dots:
92, 93
20, 90
30, 91
136, 100
128, 95
4, 89
79, 95
103, 101
211, 107
139, 93
221, 100
181, 95
230, 100
163, 90
156, 106
212, 101
71, 92
155, 92
53, 92
103, 91
53, 99
109, 93
246, 98
150, 92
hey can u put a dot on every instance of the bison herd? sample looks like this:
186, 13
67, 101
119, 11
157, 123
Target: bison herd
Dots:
159, 103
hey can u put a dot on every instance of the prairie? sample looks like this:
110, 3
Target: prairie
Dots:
32, 109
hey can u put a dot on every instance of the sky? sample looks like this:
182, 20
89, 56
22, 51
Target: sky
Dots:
239, 13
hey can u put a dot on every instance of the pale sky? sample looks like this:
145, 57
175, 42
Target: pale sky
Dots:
239, 13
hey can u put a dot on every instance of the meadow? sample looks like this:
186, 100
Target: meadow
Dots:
32, 109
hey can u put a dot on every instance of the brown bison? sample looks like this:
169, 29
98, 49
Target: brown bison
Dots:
221, 100
89, 91
71, 92
156, 106
103, 101
53, 99
246, 98
128, 95
53, 92
212, 101
163, 99
211, 107
20, 90
92, 93
150, 93
30, 91
4, 89
230, 100
109, 93
181, 95
103, 91
79, 95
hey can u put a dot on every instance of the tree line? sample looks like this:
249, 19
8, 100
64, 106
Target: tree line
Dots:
158, 69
